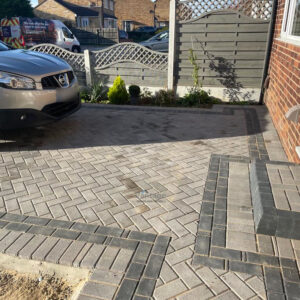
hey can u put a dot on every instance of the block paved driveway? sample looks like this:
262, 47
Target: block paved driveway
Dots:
136, 169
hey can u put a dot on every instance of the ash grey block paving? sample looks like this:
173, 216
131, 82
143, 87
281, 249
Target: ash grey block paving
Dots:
199, 292
97, 289
127, 289
92, 256
42, 251
57, 251
90, 228
106, 277
30, 248
71, 253
18, 227
187, 274
122, 260
41, 230
107, 258
9, 239
85, 297
37, 221
66, 234
202, 245
19, 244
81, 255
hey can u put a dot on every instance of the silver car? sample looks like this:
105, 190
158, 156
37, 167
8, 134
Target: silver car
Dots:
159, 42
35, 88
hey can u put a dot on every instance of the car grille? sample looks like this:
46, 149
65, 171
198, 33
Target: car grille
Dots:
60, 109
51, 82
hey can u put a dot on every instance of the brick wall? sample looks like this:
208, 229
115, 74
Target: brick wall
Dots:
139, 11
52, 10
82, 2
284, 88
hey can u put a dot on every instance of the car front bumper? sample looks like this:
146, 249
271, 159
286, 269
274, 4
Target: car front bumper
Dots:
29, 108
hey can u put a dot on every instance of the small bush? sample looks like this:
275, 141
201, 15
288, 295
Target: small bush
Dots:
94, 94
117, 94
134, 91
196, 97
85, 95
98, 92
165, 98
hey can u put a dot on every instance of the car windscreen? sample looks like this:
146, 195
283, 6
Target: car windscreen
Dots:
3, 47
67, 33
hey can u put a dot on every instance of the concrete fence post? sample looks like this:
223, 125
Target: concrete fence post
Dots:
88, 68
172, 44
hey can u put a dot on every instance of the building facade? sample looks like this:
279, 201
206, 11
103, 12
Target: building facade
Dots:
283, 92
80, 13
135, 13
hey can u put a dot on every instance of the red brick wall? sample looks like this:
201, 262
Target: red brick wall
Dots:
138, 11
284, 88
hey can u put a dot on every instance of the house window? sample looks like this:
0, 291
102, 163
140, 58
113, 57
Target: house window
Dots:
110, 23
106, 5
291, 21
84, 22
111, 5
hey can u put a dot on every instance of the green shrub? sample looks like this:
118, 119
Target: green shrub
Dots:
98, 92
117, 94
146, 97
94, 94
134, 91
196, 97
85, 94
165, 98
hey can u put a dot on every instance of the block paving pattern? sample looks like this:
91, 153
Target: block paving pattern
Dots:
226, 238
135, 169
125, 264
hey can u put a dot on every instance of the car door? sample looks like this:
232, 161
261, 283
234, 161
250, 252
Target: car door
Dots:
68, 38
163, 43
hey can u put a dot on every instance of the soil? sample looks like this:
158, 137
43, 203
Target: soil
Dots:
17, 286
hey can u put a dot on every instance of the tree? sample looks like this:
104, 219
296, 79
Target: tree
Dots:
15, 8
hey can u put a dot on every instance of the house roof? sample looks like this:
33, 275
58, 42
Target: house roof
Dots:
79, 10
105, 15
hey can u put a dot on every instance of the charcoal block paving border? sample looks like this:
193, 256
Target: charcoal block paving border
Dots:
58, 237
267, 218
281, 275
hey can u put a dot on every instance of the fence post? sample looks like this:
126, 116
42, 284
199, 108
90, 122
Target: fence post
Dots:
172, 44
88, 68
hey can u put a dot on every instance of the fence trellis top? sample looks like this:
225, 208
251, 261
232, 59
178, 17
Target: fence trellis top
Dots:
123, 52
191, 9
130, 52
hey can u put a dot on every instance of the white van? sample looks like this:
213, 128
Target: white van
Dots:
22, 32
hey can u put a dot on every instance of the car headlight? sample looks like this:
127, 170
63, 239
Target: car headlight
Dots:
11, 81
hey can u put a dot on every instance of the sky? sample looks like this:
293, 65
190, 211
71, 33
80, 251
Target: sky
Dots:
34, 2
